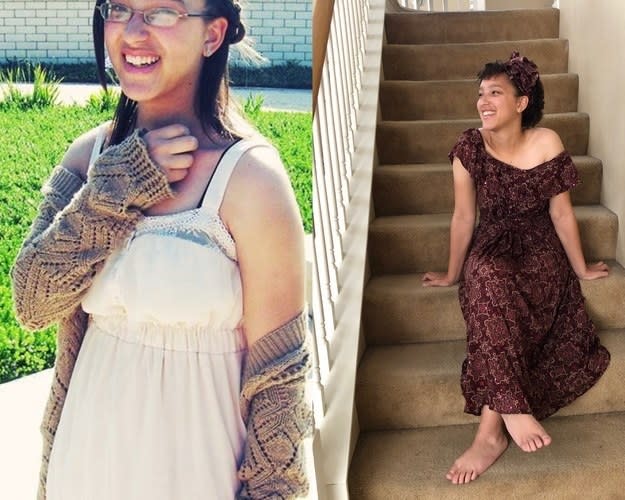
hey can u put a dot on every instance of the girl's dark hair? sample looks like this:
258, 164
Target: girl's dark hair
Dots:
211, 102
533, 113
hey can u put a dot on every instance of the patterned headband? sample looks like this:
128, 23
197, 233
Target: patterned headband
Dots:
522, 72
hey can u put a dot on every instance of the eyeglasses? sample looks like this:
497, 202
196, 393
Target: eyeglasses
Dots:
163, 17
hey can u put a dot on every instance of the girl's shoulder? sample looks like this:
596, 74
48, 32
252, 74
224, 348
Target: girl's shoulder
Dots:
77, 156
545, 140
258, 173
259, 190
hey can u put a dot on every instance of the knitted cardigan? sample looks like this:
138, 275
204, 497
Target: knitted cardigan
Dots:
78, 226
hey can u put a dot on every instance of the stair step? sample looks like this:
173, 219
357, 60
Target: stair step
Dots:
462, 27
394, 381
456, 99
403, 244
429, 141
428, 188
397, 309
463, 61
585, 460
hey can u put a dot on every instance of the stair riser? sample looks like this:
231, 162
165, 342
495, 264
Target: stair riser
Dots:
410, 314
457, 99
458, 61
585, 461
455, 27
393, 316
412, 246
431, 141
405, 189
392, 398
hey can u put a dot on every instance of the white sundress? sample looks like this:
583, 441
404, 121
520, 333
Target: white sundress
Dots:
152, 411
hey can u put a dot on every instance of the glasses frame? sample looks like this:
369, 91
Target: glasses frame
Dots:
145, 14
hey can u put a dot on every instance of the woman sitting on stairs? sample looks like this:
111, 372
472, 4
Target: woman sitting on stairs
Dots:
531, 347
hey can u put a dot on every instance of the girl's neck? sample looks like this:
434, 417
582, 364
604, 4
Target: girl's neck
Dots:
505, 141
151, 118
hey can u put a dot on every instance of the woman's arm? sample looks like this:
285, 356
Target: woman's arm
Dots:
461, 230
563, 217
78, 226
260, 210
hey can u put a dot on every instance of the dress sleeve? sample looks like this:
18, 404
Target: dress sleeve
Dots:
465, 150
564, 177
77, 228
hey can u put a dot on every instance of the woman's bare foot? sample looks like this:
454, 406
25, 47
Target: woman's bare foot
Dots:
526, 432
489, 443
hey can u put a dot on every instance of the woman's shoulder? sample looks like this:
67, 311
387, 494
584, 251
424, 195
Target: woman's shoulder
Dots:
76, 158
259, 172
547, 141
472, 135
259, 188
467, 146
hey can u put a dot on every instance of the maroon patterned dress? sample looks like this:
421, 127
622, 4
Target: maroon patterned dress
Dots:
531, 347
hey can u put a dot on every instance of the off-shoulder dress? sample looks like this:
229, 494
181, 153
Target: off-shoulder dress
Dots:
531, 346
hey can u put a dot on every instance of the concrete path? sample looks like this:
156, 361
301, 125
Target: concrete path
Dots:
21, 408
279, 99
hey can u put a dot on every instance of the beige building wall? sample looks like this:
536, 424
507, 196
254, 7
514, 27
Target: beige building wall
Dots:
60, 30
596, 37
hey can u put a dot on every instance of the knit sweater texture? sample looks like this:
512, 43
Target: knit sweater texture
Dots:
79, 224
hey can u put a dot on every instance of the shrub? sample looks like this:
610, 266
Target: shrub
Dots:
103, 101
253, 105
45, 91
291, 75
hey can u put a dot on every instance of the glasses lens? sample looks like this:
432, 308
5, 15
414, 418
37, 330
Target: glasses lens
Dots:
161, 17
115, 12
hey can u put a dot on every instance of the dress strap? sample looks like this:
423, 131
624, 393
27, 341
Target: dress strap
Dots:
219, 182
97, 145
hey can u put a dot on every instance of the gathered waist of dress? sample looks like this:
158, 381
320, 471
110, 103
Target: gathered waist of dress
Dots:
516, 220
180, 337
508, 236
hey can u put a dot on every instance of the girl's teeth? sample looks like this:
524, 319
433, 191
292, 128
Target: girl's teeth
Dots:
141, 60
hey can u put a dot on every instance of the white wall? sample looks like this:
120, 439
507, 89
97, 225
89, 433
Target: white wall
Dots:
517, 4
61, 30
596, 40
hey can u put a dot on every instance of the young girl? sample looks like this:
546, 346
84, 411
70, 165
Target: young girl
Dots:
531, 347
169, 247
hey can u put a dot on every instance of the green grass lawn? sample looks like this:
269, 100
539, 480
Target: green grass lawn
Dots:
33, 142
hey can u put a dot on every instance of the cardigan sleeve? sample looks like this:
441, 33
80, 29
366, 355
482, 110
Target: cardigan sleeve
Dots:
78, 226
277, 414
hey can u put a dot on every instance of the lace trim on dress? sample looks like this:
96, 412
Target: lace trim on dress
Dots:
196, 225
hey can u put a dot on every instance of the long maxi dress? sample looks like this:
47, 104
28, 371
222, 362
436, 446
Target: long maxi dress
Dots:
153, 410
531, 347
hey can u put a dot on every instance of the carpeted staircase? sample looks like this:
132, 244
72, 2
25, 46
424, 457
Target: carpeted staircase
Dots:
408, 398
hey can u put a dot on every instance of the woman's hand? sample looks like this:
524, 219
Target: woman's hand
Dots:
171, 148
437, 279
595, 271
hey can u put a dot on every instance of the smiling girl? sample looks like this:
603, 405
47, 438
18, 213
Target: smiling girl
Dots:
169, 248
531, 347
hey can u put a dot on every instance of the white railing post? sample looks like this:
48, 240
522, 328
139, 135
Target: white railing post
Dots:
344, 147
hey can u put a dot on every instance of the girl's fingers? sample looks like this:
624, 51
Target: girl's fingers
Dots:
168, 132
